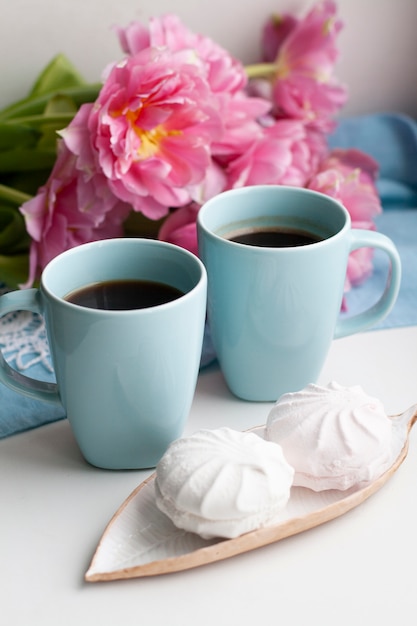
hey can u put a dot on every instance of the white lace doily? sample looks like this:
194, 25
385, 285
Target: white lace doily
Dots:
23, 340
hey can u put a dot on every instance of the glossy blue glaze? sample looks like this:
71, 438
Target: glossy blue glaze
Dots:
273, 312
125, 378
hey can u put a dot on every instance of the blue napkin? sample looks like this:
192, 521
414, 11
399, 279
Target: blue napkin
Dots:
392, 140
401, 226
19, 413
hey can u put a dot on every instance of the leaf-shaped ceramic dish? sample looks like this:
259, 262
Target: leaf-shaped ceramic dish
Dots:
141, 541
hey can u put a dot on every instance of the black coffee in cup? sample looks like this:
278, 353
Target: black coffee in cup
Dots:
274, 237
119, 295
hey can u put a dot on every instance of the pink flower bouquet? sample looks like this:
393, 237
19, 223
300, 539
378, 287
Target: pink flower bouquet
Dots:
178, 120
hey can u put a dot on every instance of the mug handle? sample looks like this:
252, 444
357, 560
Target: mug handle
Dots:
24, 300
361, 238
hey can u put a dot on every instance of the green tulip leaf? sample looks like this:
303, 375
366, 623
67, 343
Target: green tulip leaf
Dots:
26, 160
33, 106
59, 120
49, 137
12, 196
20, 186
58, 74
13, 235
14, 269
60, 104
13, 135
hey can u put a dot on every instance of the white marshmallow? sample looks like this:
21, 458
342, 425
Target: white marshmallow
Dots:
335, 437
222, 483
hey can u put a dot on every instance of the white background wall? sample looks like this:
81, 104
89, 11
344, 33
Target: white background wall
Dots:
378, 45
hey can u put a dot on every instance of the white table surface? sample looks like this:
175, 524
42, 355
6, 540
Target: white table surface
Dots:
356, 570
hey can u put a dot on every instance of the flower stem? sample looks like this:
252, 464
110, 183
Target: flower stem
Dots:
261, 70
13, 195
62, 119
36, 106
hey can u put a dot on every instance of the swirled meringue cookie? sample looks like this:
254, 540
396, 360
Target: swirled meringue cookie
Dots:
335, 437
222, 483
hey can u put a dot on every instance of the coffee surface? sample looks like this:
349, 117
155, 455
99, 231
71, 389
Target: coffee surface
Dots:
275, 238
123, 295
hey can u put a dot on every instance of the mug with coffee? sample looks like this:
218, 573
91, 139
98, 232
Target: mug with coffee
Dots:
276, 259
125, 323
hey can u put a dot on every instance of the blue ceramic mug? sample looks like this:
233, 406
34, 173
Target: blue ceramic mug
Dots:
126, 378
274, 311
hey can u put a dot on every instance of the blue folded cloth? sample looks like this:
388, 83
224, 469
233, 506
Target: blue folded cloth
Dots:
401, 226
392, 140
19, 413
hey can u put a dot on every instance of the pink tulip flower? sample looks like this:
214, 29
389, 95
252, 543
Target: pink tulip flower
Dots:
240, 116
357, 173
67, 211
150, 131
180, 225
180, 228
285, 154
349, 176
275, 31
303, 86
223, 72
